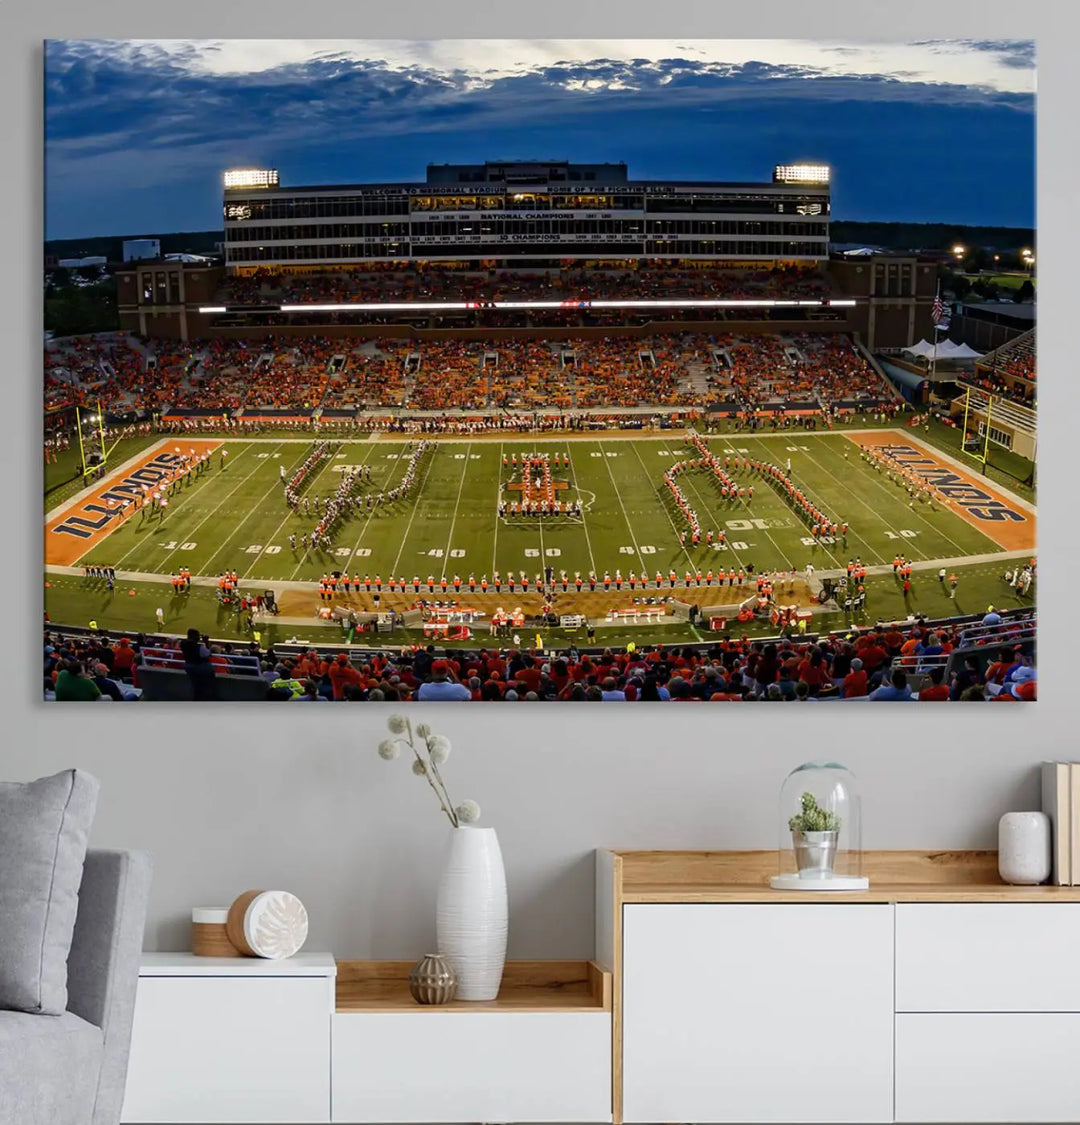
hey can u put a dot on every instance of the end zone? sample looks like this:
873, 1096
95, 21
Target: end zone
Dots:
86, 520
1000, 516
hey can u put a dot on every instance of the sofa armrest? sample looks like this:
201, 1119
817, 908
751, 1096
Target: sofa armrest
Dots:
103, 966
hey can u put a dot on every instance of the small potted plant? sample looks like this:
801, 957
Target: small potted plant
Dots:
814, 834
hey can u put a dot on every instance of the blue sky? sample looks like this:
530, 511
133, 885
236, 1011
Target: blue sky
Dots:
137, 133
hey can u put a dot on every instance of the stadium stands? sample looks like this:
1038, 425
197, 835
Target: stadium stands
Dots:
399, 282
956, 659
1008, 371
303, 376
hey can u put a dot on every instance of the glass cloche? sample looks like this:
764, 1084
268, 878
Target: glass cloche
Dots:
820, 830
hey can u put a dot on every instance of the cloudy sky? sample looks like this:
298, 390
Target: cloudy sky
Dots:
137, 133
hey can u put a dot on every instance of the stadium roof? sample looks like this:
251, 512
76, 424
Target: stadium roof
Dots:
1023, 311
856, 249
478, 188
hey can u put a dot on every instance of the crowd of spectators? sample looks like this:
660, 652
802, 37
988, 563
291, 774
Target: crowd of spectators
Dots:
299, 375
81, 369
1023, 394
885, 663
401, 282
802, 370
1009, 371
1015, 359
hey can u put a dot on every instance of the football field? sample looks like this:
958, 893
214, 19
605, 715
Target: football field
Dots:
234, 516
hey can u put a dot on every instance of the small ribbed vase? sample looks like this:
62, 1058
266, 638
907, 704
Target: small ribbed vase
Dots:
1024, 848
471, 912
432, 980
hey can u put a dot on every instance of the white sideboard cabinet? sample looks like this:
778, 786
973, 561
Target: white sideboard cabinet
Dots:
938, 995
224, 1040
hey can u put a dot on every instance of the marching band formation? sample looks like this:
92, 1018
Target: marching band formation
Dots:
345, 501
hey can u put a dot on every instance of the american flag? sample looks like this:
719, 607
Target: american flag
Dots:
937, 310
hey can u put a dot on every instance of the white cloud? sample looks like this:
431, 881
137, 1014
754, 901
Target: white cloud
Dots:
484, 60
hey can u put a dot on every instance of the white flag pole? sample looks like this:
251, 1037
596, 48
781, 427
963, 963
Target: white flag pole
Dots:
933, 361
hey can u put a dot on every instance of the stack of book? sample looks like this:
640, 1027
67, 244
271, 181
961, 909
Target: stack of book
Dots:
1061, 802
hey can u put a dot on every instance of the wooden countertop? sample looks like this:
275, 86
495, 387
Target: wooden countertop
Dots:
895, 876
527, 986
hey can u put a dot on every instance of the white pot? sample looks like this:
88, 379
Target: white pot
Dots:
470, 912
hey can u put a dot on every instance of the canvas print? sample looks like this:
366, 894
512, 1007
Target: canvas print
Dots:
516, 371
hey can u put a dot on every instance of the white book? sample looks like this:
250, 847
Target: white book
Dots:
1056, 799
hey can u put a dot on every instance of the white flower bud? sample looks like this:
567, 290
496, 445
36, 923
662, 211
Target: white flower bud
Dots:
419, 768
423, 730
397, 724
468, 812
388, 749
439, 748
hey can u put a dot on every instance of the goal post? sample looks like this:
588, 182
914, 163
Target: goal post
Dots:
90, 430
982, 456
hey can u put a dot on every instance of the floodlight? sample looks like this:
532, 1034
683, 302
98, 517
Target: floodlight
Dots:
801, 174
251, 178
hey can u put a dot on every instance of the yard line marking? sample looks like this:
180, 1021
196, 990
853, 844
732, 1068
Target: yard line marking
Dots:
858, 499
251, 511
776, 492
663, 508
290, 512
689, 478
416, 507
874, 476
584, 522
618, 496
498, 501
367, 523
453, 520
200, 523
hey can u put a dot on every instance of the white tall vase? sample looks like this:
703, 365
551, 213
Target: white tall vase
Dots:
470, 912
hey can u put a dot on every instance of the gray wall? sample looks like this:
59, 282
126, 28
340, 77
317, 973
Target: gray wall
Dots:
227, 802
245, 797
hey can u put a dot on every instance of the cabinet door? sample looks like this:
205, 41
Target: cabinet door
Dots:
1015, 1066
748, 1013
988, 957
230, 1049
447, 1066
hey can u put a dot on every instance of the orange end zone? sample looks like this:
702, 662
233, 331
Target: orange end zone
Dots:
998, 516
88, 519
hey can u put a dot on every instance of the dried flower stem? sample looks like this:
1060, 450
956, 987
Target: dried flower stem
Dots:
438, 776
430, 768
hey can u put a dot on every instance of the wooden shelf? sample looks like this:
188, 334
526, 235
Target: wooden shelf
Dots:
895, 876
527, 986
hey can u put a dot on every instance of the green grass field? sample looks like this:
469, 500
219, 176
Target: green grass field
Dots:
237, 519
73, 601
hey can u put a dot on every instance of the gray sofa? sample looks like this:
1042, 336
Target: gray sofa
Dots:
70, 1069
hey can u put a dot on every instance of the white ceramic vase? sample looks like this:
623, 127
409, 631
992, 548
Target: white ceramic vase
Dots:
471, 912
1024, 848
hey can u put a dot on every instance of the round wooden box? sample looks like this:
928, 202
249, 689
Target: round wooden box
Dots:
209, 937
270, 924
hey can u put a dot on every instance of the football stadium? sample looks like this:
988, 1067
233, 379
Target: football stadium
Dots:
529, 431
